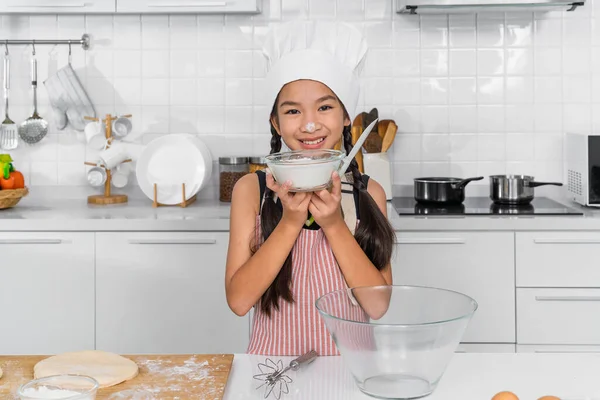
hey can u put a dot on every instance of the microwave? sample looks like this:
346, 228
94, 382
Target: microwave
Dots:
583, 168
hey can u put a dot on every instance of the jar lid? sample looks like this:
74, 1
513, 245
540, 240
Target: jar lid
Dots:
233, 160
258, 160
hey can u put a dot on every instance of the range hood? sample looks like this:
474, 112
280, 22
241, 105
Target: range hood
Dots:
477, 6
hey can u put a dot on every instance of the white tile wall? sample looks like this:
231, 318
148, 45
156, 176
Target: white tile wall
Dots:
472, 94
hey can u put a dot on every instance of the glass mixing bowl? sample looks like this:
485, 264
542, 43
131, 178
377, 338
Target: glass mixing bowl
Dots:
62, 387
396, 340
308, 170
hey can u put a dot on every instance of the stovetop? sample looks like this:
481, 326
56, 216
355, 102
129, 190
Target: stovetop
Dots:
483, 206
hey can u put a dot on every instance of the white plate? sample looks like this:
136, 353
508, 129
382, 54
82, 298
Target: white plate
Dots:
171, 160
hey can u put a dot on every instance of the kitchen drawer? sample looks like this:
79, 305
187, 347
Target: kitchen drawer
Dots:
548, 348
188, 6
485, 348
164, 293
558, 259
57, 6
478, 264
558, 316
46, 292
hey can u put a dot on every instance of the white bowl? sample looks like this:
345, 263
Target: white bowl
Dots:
308, 170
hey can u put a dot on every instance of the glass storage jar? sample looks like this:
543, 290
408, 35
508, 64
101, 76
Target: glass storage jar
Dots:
257, 164
231, 169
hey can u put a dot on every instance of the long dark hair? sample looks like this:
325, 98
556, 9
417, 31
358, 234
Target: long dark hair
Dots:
374, 233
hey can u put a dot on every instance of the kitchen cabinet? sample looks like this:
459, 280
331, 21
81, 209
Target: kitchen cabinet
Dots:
558, 316
558, 259
164, 292
46, 292
57, 6
188, 6
478, 264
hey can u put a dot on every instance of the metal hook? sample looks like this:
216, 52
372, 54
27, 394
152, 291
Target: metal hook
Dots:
6, 47
69, 51
33, 47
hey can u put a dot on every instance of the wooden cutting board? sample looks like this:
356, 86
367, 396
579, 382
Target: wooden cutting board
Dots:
160, 377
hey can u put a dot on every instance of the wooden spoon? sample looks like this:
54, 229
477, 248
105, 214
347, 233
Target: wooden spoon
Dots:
390, 134
382, 127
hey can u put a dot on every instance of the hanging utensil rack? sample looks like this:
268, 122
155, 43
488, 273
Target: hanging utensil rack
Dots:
84, 41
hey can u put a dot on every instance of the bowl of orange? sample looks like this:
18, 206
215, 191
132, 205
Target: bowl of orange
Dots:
12, 183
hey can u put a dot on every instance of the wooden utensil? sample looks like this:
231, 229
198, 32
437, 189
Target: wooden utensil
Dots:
356, 131
390, 134
370, 117
373, 142
382, 127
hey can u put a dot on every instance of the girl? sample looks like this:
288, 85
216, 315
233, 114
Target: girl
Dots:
276, 263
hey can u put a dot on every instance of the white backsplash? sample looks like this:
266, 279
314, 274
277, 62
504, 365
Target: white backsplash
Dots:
472, 95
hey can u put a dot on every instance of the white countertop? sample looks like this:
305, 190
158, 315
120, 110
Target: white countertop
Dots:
471, 376
66, 209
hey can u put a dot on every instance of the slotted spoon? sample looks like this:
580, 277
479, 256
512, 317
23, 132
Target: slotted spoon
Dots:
34, 128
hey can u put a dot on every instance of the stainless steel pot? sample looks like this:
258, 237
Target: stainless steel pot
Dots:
514, 189
441, 190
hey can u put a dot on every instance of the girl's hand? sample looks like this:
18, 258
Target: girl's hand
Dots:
325, 207
295, 205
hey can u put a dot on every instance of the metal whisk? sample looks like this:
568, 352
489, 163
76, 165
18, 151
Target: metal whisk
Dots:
275, 381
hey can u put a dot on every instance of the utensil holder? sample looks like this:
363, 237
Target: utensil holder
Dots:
184, 203
107, 197
378, 167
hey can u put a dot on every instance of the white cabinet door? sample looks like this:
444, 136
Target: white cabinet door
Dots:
57, 6
165, 293
558, 259
558, 316
478, 264
46, 292
188, 6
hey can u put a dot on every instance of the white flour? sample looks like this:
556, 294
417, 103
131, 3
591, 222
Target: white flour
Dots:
46, 393
175, 379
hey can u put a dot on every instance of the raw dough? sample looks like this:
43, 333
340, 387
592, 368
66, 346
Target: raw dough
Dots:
108, 369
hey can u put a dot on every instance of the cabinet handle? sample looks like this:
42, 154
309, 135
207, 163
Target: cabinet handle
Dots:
431, 241
566, 241
31, 241
190, 4
565, 351
62, 5
567, 298
172, 241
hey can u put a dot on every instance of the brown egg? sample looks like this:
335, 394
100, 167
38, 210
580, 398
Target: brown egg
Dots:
549, 398
505, 396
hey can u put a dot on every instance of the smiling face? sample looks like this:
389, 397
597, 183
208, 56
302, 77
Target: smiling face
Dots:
308, 115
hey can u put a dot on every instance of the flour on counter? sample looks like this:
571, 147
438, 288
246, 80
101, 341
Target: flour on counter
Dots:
191, 369
176, 377
46, 393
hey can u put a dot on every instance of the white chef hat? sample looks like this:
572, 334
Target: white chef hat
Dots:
328, 52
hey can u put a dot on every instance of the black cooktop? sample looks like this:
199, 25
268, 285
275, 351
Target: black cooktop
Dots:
482, 206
